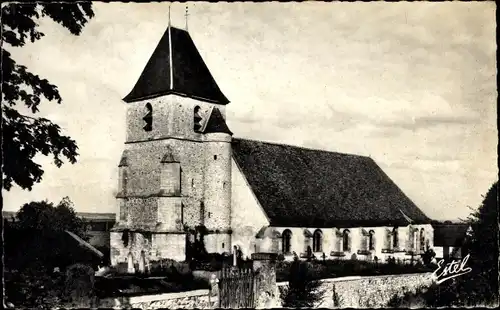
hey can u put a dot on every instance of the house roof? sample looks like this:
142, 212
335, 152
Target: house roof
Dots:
176, 67
300, 187
449, 234
216, 123
92, 216
88, 216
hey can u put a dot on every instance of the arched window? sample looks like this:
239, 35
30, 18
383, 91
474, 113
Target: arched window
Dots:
395, 238
286, 241
317, 241
148, 118
371, 240
338, 240
422, 240
345, 240
197, 119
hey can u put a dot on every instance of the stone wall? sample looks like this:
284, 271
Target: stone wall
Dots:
375, 291
198, 299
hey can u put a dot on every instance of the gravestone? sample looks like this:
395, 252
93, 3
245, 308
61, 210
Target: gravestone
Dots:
130, 263
267, 293
142, 263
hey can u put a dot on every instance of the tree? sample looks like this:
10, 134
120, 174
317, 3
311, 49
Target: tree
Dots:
38, 238
483, 247
302, 291
480, 286
24, 136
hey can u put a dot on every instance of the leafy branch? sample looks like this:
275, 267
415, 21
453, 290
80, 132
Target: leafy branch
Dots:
25, 136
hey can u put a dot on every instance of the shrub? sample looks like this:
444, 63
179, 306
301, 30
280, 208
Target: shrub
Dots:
213, 262
169, 268
302, 290
34, 288
79, 286
480, 286
427, 256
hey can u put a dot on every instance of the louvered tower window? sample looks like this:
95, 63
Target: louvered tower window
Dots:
197, 119
148, 118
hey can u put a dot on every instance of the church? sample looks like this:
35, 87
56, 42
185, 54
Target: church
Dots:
183, 168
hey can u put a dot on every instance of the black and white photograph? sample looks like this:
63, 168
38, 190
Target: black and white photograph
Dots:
208, 155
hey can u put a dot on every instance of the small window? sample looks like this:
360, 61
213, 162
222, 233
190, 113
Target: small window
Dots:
148, 118
222, 244
147, 238
192, 182
202, 211
209, 214
215, 157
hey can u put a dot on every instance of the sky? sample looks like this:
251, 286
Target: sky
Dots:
412, 85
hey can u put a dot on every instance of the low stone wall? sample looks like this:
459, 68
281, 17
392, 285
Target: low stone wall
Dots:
199, 299
374, 291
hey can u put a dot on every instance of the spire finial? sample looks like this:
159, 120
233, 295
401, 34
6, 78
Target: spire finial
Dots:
169, 14
187, 14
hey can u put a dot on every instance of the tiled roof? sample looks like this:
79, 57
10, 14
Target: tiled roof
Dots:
96, 216
216, 123
449, 234
299, 187
176, 67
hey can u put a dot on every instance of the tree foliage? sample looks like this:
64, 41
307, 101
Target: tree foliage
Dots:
302, 291
483, 247
480, 286
24, 136
37, 239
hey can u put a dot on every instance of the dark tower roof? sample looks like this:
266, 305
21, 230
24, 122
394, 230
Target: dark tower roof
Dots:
176, 67
216, 123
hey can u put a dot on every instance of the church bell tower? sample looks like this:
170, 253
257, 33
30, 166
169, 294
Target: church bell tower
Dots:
175, 171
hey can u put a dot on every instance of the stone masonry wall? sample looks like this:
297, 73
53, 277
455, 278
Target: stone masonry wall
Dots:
375, 291
198, 299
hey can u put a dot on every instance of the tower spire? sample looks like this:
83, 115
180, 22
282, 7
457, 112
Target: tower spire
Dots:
169, 14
